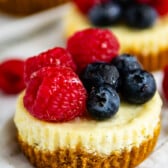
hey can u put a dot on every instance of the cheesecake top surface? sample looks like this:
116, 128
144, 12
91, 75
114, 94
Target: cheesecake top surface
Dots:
130, 126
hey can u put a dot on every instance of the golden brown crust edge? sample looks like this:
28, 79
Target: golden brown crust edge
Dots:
79, 158
24, 7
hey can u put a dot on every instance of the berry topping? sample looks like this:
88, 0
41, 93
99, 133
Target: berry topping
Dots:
52, 57
85, 5
100, 73
144, 1
126, 63
135, 13
138, 87
11, 76
140, 16
161, 6
103, 102
165, 82
105, 14
92, 45
124, 3
55, 94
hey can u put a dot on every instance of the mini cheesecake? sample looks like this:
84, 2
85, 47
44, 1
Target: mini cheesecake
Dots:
62, 123
148, 45
122, 141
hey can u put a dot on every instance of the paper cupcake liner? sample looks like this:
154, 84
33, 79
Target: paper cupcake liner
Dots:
74, 158
23, 7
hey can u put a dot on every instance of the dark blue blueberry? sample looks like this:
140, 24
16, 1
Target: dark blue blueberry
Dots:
124, 3
105, 14
126, 63
140, 16
99, 73
103, 102
138, 87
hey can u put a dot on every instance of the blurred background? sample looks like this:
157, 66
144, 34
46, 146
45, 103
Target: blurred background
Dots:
29, 26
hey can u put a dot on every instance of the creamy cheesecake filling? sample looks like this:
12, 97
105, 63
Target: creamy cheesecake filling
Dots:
150, 40
132, 125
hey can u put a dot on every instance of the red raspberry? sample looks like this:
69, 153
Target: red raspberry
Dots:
91, 45
85, 5
55, 94
52, 57
161, 6
165, 82
11, 76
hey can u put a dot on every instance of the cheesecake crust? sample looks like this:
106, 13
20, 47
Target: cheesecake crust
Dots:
78, 158
25, 7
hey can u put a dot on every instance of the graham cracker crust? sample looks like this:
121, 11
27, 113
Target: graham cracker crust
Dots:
79, 158
25, 7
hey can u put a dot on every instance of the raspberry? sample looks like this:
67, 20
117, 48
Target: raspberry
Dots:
165, 82
11, 76
92, 45
85, 5
52, 57
55, 94
161, 6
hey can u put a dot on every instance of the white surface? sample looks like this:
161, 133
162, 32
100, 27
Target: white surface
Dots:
27, 36
45, 34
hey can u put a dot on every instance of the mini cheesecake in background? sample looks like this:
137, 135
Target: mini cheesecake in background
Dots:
140, 26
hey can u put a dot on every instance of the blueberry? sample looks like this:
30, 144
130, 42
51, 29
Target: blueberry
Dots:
98, 73
140, 16
138, 87
126, 63
124, 3
105, 14
103, 102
